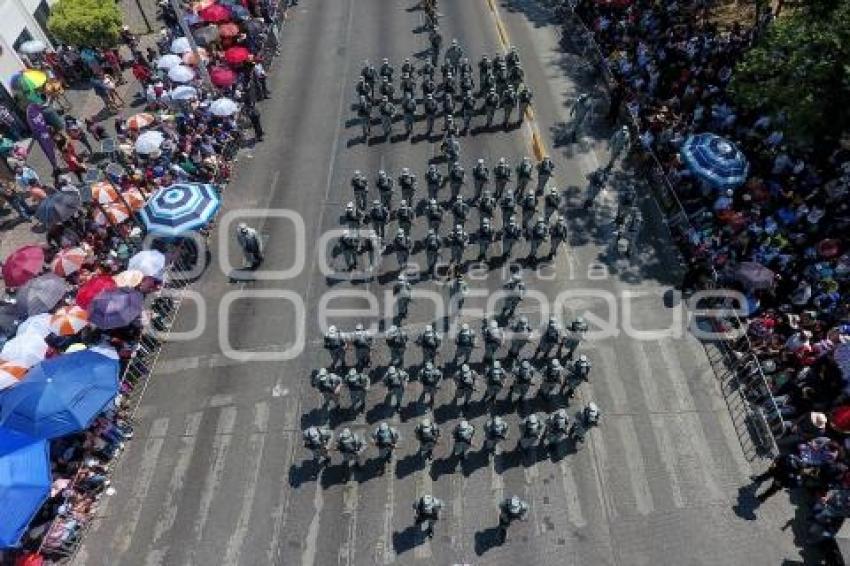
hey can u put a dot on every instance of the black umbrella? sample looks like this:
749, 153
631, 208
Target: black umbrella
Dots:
57, 208
206, 35
9, 318
41, 294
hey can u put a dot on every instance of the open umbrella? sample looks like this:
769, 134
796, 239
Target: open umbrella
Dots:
69, 261
92, 288
58, 208
149, 262
754, 275
202, 4
130, 278
104, 192
32, 47
25, 349
41, 294
111, 214
215, 14
149, 142
11, 373
180, 45
133, 198
237, 55
25, 481
223, 107
22, 265
38, 324
29, 80
67, 321
180, 208
61, 395
228, 30
140, 120
206, 35
222, 77
240, 12
181, 74
715, 160
116, 308
168, 61
191, 58
184, 92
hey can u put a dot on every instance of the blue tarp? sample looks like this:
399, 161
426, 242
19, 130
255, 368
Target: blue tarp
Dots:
24, 483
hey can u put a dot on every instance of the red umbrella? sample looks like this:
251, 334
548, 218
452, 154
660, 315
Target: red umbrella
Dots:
215, 14
228, 30
222, 76
22, 265
94, 287
840, 419
237, 55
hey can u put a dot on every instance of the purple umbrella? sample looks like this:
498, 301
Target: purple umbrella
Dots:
116, 309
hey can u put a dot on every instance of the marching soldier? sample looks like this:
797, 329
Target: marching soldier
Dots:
454, 54
539, 234
434, 213
515, 288
544, 172
379, 214
512, 58
465, 387
531, 433
435, 38
458, 240
353, 216
451, 147
491, 103
528, 202
386, 71
485, 67
510, 510
553, 201
402, 244
434, 179
369, 74
523, 173
580, 372
387, 90
351, 447
329, 385
580, 110
362, 341
431, 377
521, 334
508, 205
493, 340
557, 235
458, 290
496, 376
523, 380
573, 337
407, 67
462, 434
500, 72
430, 107
467, 86
432, 249
465, 69
460, 210
486, 205
318, 439
495, 432
335, 344
363, 90
508, 104
510, 235
388, 112
480, 177
553, 379
430, 341
502, 174
485, 237
427, 70
427, 510
465, 343
408, 88
402, 292
427, 433
428, 87
394, 380
550, 338
457, 174
467, 110
386, 187
358, 384
404, 214
360, 186
364, 115
397, 343
557, 429
407, 183
350, 247
516, 75
524, 96
408, 108
386, 440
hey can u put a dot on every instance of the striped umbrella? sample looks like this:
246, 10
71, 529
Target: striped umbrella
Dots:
67, 321
104, 192
134, 199
25, 349
11, 373
715, 160
112, 214
140, 120
69, 261
180, 208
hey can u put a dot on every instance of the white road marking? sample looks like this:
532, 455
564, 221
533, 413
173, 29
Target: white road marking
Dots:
611, 376
634, 463
694, 443
666, 447
733, 443
572, 500
644, 374
308, 557
132, 510
350, 501
684, 399
252, 476
457, 534
290, 416
600, 453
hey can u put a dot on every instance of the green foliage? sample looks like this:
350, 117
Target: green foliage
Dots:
86, 23
802, 67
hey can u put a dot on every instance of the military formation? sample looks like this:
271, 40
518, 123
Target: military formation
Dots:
493, 210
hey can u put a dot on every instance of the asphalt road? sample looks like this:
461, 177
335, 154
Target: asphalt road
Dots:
216, 473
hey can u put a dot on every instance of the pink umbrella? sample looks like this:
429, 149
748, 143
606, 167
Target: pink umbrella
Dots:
215, 14
222, 76
228, 30
237, 55
69, 261
22, 265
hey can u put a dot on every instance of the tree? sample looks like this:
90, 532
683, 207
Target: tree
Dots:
86, 23
801, 68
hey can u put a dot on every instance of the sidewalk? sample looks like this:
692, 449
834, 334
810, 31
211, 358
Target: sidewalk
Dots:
15, 233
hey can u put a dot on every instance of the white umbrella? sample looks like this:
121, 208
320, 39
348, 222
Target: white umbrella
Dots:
181, 74
149, 262
184, 92
180, 46
149, 142
26, 349
168, 61
38, 324
223, 107
32, 46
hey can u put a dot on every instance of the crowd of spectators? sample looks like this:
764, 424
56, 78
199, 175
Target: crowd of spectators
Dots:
671, 67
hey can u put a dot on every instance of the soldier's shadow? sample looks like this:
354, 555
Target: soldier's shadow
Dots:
408, 539
334, 475
371, 469
408, 465
307, 471
444, 466
487, 540
381, 411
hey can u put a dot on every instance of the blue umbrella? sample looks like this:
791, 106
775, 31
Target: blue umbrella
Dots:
116, 308
24, 482
180, 208
61, 395
716, 160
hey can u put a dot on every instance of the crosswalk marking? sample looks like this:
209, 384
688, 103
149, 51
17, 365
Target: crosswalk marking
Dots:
290, 416
608, 373
457, 534
644, 374
730, 437
634, 463
308, 556
147, 467
684, 400
257, 445
175, 485
221, 446
666, 447
599, 451
573, 503
693, 441
386, 542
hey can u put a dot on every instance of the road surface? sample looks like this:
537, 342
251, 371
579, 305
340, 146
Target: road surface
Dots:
216, 473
